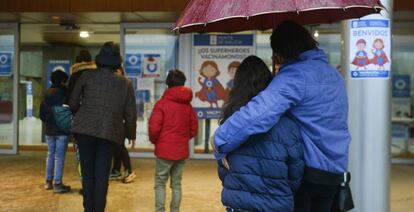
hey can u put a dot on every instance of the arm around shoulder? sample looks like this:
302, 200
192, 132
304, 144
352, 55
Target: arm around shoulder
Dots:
285, 91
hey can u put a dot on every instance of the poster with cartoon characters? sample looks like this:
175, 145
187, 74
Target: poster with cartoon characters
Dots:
370, 42
216, 60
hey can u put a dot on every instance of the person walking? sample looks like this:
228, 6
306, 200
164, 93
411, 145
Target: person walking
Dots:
120, 154
103, 102
56, 139
274, 157
83, 63
312, 92
171, 125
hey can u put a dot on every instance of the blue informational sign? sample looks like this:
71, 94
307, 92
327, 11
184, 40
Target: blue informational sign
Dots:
152, 65
216, 60
29, 99
56, 65
133, 65
6, 63
370, 48
223, 40
401, 86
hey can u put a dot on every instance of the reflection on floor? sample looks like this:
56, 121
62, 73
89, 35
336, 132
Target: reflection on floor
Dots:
22, 187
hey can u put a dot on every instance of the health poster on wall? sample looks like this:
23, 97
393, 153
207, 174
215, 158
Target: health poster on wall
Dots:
401, 96
54, 65
6, 63
370, 49
133, 65
152, 65
216, 60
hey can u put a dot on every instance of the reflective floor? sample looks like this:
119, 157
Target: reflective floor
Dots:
21, 187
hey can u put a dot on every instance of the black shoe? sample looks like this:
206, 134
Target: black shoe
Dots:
49, 185
115, 175
60, 188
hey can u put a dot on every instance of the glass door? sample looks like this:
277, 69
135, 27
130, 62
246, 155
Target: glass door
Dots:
149, 52
9, 60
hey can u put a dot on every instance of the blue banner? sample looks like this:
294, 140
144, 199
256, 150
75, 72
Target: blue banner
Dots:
370, 74
401, 86
29, 99
133, 65
54, 65
370, 23
208, 113
223, 40
6, 63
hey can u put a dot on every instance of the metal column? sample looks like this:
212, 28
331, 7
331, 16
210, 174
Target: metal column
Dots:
370, 124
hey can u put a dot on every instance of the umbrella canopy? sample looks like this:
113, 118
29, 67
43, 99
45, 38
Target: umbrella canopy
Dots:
240, 15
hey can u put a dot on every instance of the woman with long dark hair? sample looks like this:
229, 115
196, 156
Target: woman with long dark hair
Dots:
265, 171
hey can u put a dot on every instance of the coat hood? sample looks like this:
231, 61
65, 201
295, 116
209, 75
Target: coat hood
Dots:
82, 66
180, 94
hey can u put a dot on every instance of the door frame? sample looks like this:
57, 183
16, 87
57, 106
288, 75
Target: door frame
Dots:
15, 27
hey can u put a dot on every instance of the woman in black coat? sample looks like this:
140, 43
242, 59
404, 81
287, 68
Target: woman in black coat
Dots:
104, 105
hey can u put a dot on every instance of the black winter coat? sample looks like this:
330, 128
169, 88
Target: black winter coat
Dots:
104, 105
56, 95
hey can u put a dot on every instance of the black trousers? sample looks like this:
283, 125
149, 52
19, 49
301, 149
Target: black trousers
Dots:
120, 154
95, 159
314, 198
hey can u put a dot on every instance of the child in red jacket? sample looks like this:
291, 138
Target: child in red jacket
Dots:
171, 125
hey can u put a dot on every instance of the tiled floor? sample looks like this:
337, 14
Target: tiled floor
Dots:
21, 187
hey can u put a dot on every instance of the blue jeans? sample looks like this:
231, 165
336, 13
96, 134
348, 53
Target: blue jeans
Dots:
57, 146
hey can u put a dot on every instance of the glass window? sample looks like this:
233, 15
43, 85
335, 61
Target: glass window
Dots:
148, 55
7, 51
402, 145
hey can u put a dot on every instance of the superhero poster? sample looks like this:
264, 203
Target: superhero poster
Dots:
216, 60
370, 48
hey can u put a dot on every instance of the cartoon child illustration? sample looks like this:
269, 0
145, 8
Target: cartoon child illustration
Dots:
380, 58
211, 89
231, 70
361, 57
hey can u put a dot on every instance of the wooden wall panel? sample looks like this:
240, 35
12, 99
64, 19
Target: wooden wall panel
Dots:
37, 5
91, 5
403, 5
119, 5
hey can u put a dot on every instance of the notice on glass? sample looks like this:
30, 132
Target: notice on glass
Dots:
370, 50
6, 63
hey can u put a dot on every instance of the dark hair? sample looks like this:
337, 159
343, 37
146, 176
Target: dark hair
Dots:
251, 77
58, 76
83, 56
289, 40
109, 56
175, 78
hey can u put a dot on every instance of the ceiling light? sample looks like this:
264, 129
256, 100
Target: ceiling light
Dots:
84, 34
316, 34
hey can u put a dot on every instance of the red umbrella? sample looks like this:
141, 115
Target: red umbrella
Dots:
241, 15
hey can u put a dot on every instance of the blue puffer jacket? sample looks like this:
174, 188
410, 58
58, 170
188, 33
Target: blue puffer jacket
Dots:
265, 171
314, 93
